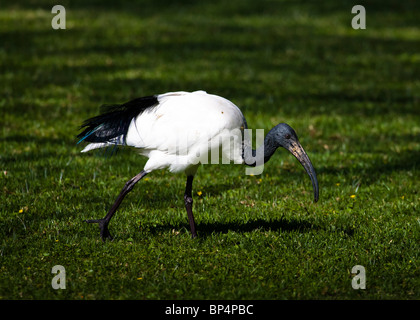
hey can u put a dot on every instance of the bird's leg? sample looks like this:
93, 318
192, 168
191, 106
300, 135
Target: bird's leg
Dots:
188, 205
103, 223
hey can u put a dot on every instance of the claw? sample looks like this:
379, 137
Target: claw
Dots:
103, 226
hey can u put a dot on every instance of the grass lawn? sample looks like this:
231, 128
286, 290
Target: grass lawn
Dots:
351, 95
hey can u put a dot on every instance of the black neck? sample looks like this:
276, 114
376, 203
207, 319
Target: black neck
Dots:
260, 156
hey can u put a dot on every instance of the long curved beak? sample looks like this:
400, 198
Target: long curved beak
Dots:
297, 150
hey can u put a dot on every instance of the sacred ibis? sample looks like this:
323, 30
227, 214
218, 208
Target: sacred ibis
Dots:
180, 131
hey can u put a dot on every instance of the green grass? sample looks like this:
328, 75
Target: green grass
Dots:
352, 96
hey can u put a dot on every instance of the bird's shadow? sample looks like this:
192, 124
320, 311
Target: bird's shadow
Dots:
207, 229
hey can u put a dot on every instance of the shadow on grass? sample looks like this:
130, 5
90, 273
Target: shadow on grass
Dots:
207, 229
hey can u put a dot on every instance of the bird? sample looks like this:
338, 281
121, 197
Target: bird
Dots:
179, 131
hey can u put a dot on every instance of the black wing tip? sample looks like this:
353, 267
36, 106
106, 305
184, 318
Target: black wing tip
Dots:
114, 120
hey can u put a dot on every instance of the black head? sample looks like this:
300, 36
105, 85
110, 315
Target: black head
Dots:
284, 136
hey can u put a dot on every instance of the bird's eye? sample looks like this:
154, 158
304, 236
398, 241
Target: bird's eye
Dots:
287, 136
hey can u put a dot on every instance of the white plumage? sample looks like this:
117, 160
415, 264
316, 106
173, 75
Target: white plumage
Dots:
181, 129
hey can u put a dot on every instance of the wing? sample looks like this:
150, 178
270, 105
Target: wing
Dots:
111, 127
184, 121
170, 127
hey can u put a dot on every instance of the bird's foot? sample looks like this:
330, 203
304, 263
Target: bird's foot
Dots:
103, 226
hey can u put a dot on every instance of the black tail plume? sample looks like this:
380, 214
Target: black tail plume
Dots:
114, 120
